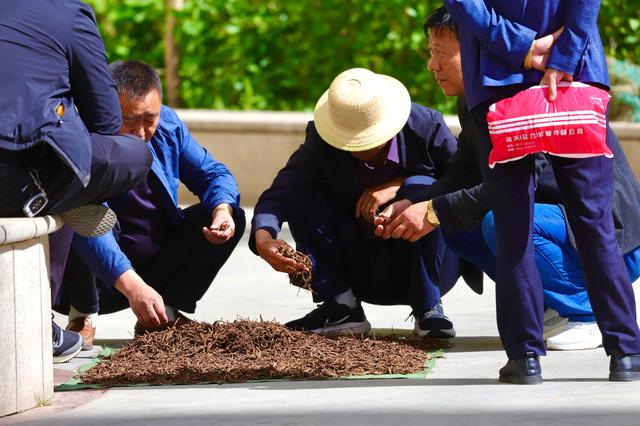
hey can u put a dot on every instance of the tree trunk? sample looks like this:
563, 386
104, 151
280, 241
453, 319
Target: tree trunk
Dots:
171, 56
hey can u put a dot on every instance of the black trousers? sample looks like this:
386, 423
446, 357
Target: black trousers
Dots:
181, 272
382, 272
118, 163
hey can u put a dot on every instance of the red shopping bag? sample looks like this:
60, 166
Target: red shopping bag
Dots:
574, 125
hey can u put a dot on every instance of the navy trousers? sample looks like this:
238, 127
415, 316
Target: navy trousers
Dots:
347, 255
118, 163
586, 186
181, 272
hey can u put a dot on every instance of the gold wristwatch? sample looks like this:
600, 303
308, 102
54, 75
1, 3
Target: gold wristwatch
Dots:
431, 216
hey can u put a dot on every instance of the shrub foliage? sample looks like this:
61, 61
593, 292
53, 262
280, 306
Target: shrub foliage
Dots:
282, 54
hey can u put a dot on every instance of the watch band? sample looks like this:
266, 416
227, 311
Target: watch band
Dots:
529, 57
431, 215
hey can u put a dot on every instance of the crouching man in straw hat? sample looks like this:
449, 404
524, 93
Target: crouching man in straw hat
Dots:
367, 146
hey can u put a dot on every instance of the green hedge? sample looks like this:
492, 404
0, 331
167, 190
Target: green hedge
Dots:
281, 55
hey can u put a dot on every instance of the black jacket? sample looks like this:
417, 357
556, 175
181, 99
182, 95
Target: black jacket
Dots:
425, 147
53, 56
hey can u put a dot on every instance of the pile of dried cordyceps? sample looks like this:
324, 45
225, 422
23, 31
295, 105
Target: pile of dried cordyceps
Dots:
300, 278
243, 350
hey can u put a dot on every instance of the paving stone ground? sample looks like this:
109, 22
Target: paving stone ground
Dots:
462, 390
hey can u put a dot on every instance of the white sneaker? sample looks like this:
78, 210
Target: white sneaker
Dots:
553, 323
576, 336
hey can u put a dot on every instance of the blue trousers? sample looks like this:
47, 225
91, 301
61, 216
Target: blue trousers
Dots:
558, 263
586, 185
347, 255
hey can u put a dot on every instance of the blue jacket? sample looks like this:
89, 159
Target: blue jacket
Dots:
177, 157
53, 55
425, 147
495, 37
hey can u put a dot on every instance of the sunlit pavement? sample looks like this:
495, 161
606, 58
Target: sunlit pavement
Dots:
462, 390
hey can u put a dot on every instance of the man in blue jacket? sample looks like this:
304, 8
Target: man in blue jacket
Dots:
501, 55
467, 223
59, 119
162, 259
367, 146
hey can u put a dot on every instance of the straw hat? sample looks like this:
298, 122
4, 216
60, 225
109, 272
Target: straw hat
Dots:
361, 110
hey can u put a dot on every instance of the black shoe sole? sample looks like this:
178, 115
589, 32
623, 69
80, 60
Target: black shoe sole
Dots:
438, 334
521, 380
624, 376
439, 329
346, 329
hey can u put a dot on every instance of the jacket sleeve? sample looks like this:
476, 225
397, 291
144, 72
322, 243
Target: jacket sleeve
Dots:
462, 169
578, 25
508, 40
461, 210
103, 256
462, 172
442, 145
458, 197
92, 88
206, 177
289, 191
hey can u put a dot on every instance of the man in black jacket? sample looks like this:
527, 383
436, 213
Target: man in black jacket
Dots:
367, 146
468, 227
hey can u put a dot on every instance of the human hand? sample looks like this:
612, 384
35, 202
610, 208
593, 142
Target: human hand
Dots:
373, 197
382, 220
144, 301
410, 225
551, 78
267, 248
222, 226
542, 49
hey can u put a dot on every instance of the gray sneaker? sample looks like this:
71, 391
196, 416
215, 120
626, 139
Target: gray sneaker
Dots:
91, 220
434, 323
333, 319
66, 344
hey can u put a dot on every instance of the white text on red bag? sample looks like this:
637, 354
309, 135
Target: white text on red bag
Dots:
574, 125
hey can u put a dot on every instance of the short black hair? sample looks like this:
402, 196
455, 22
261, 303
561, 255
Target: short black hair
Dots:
135, 78
439, 19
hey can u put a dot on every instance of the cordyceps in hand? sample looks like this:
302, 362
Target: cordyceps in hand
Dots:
385, 220
223, 227
300, 278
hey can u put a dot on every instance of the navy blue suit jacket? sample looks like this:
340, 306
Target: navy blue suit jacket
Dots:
53, 55
495, 37
425, 146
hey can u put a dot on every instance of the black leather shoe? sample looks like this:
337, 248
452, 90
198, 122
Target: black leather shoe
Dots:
624, 368
523, 371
